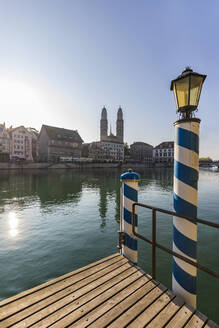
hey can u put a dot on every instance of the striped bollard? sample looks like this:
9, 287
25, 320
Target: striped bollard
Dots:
129, 196
186, 167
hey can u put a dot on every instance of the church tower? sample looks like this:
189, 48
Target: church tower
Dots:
119, 125
103, 125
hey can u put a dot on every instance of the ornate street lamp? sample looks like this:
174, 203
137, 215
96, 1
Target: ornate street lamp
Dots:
187, 89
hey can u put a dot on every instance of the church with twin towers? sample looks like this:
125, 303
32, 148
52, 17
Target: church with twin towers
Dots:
119, 127
112, 145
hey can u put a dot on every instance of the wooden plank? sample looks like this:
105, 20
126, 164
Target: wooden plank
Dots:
181, 317
76, 305
141, 305
111, 292
145, 317
211, 324
89, 306
55, 302
124, 305
167, 313
198, 320
51, 282
48, 290
107, 305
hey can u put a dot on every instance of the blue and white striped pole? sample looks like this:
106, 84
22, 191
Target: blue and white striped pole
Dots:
186, 167
129, 196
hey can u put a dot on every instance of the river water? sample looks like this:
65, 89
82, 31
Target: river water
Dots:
53, 222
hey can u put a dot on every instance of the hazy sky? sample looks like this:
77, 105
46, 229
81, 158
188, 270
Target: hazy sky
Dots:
62, 60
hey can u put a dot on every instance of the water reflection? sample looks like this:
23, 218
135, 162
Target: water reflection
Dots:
103, 206
51, 188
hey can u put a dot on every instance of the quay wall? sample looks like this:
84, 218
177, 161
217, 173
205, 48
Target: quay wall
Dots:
50, 166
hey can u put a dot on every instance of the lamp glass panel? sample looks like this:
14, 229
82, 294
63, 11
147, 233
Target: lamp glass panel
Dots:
175, 95
182, 90
195, 89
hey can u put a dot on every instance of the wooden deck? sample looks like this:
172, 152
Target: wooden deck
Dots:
109, 293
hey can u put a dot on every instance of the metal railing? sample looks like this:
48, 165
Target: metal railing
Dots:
155, 245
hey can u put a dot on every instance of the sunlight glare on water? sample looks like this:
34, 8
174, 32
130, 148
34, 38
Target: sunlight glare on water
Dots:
13, 224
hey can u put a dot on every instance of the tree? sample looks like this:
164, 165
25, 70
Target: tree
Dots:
126, 149
205, 159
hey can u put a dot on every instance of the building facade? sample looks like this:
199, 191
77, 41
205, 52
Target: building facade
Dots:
5, 144
164, 153
111, 146
56, 143
21, 143
142, 152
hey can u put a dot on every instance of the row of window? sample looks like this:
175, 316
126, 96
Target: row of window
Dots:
18, 147
64, 136
112, 146
18, 141
164, 150
5, 141
5, 135
164, 155
19, 135
59, 142
18, 153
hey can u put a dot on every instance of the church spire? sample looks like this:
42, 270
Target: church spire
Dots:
104, 114
103, 124
120, 125
119, 114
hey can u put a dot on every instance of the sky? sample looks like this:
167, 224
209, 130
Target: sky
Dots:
61, 61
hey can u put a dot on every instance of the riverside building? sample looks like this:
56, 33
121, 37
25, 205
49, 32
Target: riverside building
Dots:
21, 143
5, 144
164, 153
142, 152
55, 143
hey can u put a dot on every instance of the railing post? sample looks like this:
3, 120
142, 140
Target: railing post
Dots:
186, 167
154, 240
129, 195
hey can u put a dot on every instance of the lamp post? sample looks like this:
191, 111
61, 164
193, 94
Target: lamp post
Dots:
187, 89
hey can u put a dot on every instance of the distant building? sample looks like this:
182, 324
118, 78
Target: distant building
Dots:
21, 143
102, 150
85, 150
112, 150
5, 144
112, 146
58, 142
164, 153
141, 151
95, 151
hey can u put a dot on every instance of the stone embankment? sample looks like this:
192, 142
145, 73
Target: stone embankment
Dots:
49, 166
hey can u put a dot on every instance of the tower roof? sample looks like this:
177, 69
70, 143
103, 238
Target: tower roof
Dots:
119, 114
104, 114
